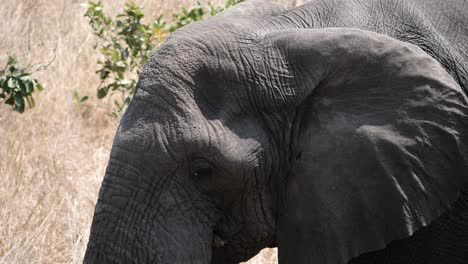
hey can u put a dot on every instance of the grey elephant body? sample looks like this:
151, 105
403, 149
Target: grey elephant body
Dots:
323, 130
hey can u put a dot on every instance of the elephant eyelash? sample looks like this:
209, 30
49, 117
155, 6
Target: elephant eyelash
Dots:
200, 166
204, 172
211, 162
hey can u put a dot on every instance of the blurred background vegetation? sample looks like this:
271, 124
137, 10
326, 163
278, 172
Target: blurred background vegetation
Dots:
68, 69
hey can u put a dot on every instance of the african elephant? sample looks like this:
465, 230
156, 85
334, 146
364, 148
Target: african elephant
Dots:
336, 131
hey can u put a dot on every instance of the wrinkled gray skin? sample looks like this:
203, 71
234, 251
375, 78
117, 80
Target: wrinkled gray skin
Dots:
262, 127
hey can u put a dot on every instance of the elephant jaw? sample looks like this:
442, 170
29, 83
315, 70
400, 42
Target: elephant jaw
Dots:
228, 249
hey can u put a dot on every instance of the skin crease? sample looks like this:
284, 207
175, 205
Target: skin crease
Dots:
258, 128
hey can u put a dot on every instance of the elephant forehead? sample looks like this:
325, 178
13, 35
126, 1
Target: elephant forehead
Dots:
183, 136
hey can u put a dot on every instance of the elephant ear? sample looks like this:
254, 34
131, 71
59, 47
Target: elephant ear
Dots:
381, 139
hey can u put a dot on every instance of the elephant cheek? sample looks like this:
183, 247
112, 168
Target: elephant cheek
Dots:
135, 226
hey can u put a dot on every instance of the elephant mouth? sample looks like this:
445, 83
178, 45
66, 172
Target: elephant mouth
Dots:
217, 241
232, 249
224, 249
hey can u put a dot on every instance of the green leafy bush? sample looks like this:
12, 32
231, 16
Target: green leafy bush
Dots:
17, 85
127, 43
186, 16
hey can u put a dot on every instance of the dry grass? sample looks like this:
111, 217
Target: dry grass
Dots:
52, 158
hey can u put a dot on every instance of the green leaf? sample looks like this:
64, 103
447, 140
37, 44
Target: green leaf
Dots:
11, 82
3, 83
31, 102
14, 71
84, 99
103, 74
12, 60
75, 95
117, 105
124, 82
29, 87
39, 87
127, 101
22, 87
19, 103
10, 101
115, 55
26, 77
230, 3
78, 98
102, 92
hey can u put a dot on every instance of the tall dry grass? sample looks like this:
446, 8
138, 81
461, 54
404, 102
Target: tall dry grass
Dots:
53, 157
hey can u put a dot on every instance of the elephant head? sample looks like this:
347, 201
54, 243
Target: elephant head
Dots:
247, 133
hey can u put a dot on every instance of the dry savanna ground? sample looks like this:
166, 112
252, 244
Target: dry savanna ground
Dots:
53, 157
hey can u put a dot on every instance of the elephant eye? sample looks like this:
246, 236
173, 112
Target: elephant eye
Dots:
201, 169
202, 172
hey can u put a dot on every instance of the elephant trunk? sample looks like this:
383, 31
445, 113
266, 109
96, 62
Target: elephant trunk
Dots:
141, 221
